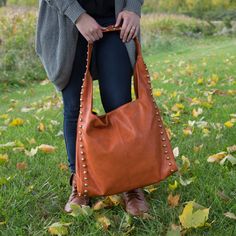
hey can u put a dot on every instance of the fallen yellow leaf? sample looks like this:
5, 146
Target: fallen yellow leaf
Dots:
58, 228
216, 157
16, 122
229, 124
190, 219
173, 186
41, 127
3, 158
103, 221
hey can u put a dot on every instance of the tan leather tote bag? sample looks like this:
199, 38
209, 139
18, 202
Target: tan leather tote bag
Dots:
125, 148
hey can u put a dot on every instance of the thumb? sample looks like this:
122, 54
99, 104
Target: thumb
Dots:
118, 20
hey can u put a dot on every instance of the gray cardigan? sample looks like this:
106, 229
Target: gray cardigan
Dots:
56, 36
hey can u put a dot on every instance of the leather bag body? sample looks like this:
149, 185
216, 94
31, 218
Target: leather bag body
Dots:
126, 148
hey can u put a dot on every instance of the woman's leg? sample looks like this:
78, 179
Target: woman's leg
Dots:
114, 68
115, 71
71, 100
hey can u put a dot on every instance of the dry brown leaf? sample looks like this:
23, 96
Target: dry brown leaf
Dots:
63, 166
46, 148
223, 196
173, 200
21, 165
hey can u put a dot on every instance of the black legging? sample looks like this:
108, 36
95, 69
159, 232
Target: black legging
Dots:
115, 73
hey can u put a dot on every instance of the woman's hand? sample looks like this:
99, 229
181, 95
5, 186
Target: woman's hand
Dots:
89, 27
130, 25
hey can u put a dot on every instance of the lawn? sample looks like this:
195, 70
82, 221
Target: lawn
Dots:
194, 85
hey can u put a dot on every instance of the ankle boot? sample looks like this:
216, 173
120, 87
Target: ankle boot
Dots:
74, 198
135, 202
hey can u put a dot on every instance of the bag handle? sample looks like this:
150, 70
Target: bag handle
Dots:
109, 29
88, 81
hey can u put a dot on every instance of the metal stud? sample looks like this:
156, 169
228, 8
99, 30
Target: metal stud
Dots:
164, 145
81, 145
80, 105
157, 113
85, 184
80, 132
172, 170
85, 171
85, 190
82, 158
162, 132
85, 178
160, 126
80, 112
167, 157
85, 195
80, 139
166, 152
170, 164
84, 165
81, 152
163, 139
159, 119
80, 119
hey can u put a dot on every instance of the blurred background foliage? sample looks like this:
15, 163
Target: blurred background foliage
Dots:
164, 24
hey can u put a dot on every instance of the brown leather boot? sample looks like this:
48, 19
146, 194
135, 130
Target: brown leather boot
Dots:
74, 198
135, 202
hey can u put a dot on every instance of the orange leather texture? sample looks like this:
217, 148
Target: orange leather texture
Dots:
126, 148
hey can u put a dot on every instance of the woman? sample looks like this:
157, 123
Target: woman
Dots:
64, 28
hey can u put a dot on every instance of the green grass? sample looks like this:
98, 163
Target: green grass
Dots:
34, 197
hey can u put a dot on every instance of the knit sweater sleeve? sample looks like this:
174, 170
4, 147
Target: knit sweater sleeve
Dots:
71, 8
134, 6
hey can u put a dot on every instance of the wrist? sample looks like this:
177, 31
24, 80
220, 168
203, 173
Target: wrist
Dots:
80, 16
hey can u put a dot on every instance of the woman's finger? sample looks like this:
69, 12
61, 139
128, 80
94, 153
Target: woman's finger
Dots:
119, 18
91, 37
126, 32
136, 32
99, 33
131, 32
123, 28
